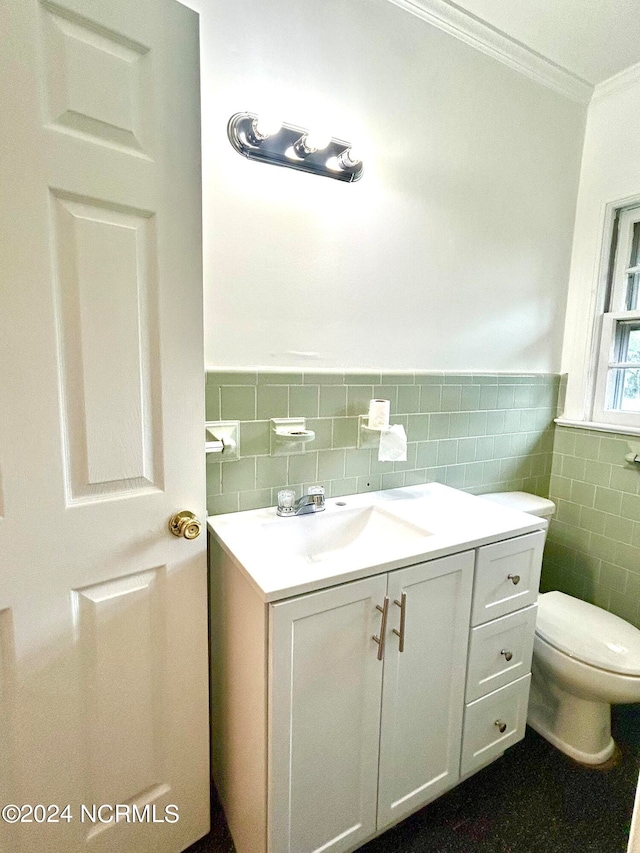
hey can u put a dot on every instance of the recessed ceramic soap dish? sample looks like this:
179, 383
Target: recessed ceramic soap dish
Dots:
289, 435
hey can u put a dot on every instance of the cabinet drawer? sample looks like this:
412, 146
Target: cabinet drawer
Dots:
507, 576
482, 739
500, 652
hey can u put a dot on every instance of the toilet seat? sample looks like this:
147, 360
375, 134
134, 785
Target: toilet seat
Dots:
588, 633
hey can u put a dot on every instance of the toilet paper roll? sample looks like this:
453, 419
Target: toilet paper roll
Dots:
379, 414
393, 444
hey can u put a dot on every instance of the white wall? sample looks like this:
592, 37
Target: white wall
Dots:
451, 253
610, 175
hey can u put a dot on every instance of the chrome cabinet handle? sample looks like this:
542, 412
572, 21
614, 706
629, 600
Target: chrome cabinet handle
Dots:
515, 579
502, 727
507, 655
383, 627
402, 604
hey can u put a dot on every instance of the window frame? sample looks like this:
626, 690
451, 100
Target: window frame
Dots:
613, 313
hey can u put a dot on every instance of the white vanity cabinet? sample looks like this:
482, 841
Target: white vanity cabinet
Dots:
341, 704
357, 742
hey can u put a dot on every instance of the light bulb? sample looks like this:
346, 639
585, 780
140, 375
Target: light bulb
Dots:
316, 139
348, 158
310, 142
265, 126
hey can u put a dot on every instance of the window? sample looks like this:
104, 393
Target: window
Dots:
617, 390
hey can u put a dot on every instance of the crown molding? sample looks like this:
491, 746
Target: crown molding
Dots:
618, 83
471, 30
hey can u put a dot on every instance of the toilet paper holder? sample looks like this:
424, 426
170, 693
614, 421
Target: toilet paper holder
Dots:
390, 449
222, 437
367, 436
633, 457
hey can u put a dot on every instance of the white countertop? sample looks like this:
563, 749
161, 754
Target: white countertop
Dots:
425, 522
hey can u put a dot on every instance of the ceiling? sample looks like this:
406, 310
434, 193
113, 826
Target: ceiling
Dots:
592, 39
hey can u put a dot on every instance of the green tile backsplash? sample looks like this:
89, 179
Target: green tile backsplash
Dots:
593, 547
479, 432
476, 431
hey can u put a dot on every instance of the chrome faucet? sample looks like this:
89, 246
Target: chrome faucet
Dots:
313, 501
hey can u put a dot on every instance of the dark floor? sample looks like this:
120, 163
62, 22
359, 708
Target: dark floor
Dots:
533, 800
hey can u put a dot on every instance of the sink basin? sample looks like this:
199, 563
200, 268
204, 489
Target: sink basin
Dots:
342, 533
359, 535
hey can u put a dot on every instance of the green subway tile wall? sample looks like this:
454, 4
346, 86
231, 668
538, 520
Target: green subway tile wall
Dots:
476, 431
593, 547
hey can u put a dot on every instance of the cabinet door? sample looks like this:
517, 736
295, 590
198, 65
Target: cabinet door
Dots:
423, 693
324, 718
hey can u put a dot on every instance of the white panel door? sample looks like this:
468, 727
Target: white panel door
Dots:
324, 718
103, 627
423, 694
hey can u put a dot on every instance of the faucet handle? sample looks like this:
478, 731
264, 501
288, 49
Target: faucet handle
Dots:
315, 495
286, 500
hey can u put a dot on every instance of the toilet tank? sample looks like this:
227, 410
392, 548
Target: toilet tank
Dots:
524, 502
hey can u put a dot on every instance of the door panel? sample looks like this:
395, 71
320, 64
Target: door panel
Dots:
423, 695
103, 624
120, 627
107, 325
98, 81
326, 683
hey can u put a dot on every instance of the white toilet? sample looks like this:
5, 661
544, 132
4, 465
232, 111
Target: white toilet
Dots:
584, 660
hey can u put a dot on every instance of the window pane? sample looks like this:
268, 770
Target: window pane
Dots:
633, 353
633, 277
625, 386
628, 342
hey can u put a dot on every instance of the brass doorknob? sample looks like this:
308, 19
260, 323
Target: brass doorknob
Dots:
185, 524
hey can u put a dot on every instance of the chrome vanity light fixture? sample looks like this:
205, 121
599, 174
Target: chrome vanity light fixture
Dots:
294, 147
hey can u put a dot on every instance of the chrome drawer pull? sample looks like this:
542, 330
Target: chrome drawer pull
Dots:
383, 627
402, 604
515, 579
502, 727
507, 655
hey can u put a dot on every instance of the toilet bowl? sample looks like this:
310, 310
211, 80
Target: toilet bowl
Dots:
584, 660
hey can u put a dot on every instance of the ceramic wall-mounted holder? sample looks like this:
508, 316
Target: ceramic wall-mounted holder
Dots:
633, 457
222, 438
289, 435
367, 436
